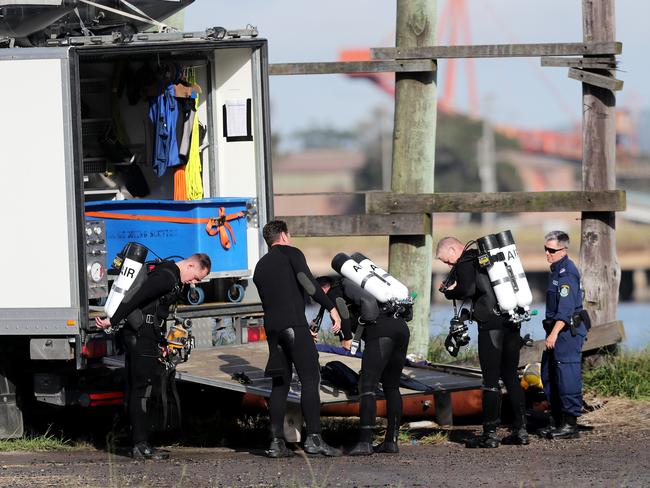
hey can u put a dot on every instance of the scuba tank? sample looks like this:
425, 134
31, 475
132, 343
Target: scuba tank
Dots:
491, 257
363, 277
400, 291
520, 285
130, 261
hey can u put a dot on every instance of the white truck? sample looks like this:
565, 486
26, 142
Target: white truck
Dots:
76, 142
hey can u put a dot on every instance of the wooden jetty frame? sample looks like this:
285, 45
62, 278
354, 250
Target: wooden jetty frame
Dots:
390, 213
405, 213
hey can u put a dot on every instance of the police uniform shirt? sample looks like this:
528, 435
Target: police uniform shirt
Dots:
563, 295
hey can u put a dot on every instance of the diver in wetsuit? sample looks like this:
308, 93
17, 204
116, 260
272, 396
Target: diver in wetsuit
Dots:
499, 343
283, 281
145, 313
386, 339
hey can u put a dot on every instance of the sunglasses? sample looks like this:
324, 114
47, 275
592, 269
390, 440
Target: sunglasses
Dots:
550, 250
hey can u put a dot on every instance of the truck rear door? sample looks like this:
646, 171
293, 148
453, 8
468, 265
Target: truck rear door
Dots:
39, 194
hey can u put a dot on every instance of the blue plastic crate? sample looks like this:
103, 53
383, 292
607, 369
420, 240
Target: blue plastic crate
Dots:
172, 238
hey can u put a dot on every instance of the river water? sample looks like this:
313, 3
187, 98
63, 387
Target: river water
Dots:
635, 317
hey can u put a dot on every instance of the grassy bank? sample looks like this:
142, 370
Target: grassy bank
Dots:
467, 355
625, 375
45, 442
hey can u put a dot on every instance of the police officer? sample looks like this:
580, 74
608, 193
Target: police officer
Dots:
284, 281
498, 342
561, 361
145, 313
386, 337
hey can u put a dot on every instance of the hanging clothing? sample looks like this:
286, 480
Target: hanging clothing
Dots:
163, 115
187, 114
193, 169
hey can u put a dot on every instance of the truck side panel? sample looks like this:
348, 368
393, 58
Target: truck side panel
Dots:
39, 292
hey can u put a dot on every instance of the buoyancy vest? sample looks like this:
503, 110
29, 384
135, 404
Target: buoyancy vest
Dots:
158, 307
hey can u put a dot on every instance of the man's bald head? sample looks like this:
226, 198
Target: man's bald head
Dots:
449, 250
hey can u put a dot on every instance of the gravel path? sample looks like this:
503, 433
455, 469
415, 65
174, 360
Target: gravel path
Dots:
614, 454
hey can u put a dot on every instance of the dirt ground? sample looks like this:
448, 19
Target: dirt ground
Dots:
614, 454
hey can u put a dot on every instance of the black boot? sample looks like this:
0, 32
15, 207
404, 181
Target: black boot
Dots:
390, 439
568, 429
142, 450
488, 439
361, 449
315, 445
491, 421
278, 449
553, 422
517, 437
389, 447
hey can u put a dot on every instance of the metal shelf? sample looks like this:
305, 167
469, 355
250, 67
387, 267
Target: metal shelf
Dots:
95, 165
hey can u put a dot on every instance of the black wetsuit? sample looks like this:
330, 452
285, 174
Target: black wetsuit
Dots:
498, 340
145, 312
284, 283
386, 341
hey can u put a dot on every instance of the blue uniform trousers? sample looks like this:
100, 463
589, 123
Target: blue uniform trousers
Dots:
562, 374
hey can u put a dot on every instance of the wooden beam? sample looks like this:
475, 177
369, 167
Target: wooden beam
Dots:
599, 336
390, 66
546, 201
594, 79
595, 63
498, 50
357, 225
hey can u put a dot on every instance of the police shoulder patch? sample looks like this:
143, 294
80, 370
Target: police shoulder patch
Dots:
564, 291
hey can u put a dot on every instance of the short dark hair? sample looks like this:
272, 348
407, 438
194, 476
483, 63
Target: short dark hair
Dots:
203, 259
272, 230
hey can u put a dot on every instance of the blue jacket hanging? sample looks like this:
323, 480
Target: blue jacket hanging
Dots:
163, 114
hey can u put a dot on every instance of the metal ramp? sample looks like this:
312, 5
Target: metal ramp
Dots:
216, 367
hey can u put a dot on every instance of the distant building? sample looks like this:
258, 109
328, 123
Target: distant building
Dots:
644, 131
543, 173
315, 171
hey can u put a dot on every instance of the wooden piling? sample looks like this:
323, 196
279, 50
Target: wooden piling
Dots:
414, 137
601, 273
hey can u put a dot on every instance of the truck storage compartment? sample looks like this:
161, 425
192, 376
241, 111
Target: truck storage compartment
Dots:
214, 226
159, 164
145, 120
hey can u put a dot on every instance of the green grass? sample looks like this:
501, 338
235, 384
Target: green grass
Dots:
427, 437
624, 375
45, 442
437, 353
